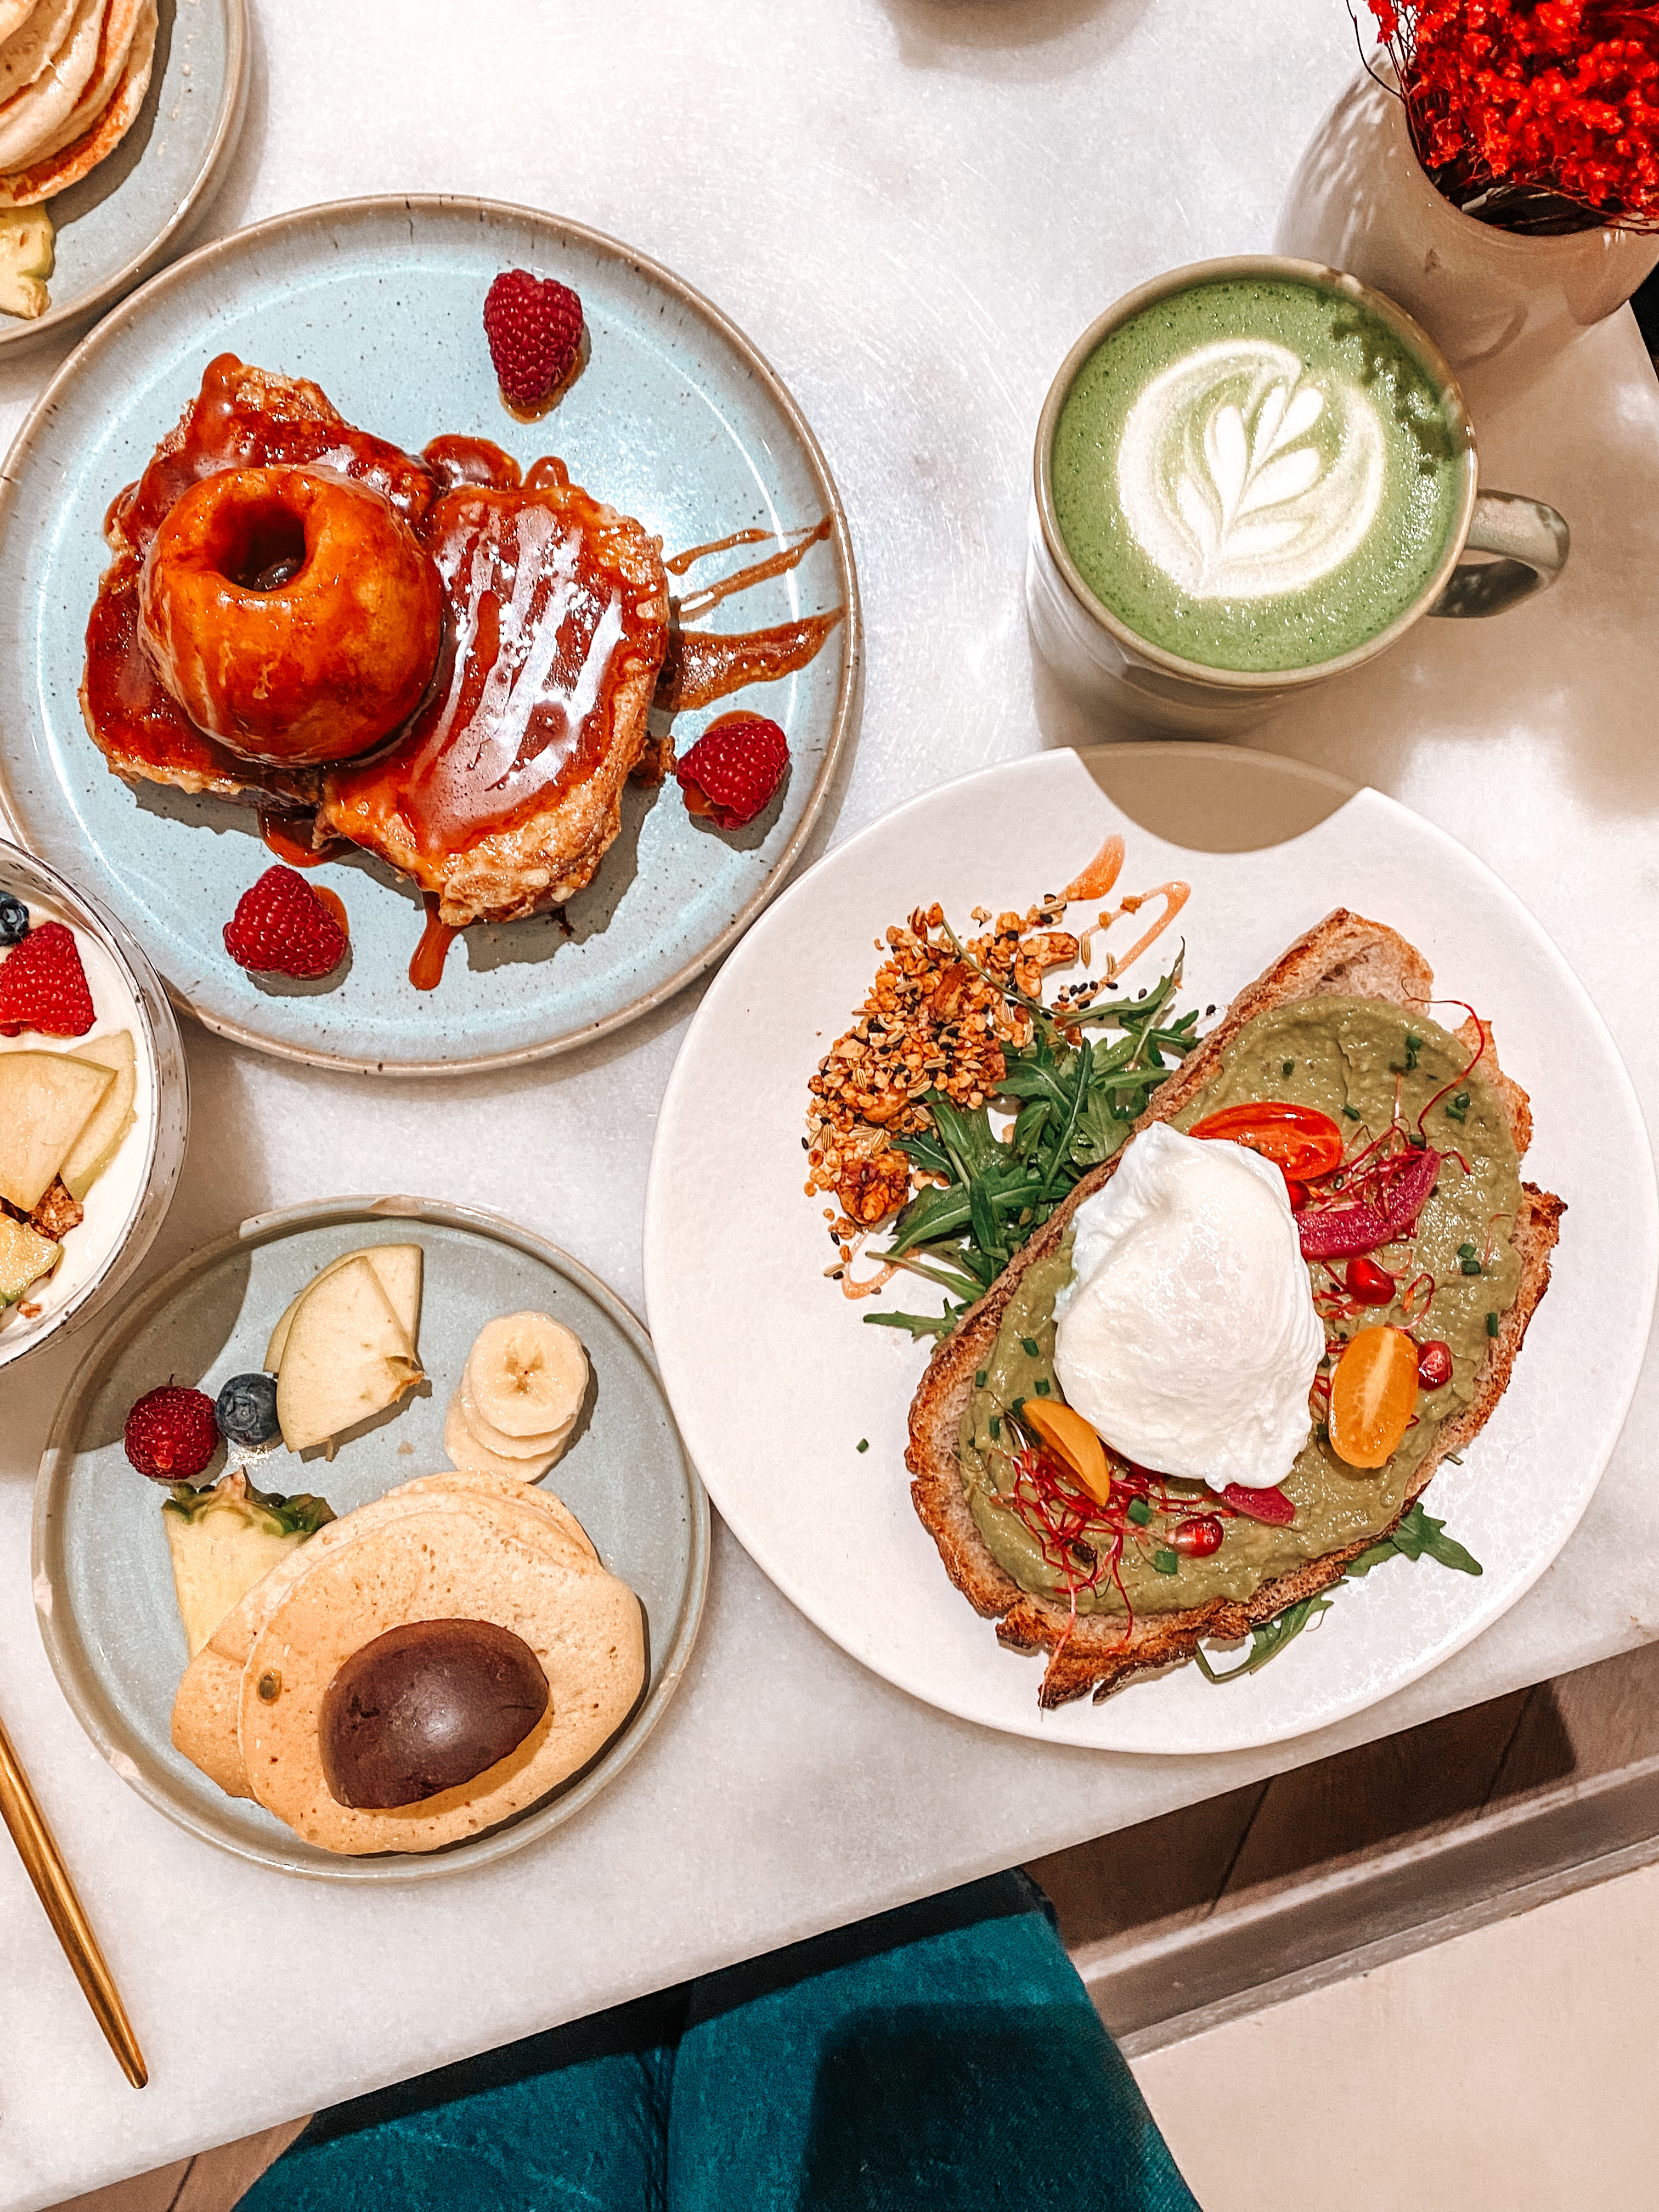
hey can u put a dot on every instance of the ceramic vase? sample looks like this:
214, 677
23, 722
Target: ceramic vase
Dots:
1360, 201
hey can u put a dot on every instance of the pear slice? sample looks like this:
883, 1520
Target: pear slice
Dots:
399, 1267
28, 255
46, 1099
25, 1256
347, 1356
103, 1136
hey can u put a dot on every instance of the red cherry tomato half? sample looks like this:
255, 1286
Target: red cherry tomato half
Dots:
1434, 1365
1368, 1284
1196, 1538
1305, 1143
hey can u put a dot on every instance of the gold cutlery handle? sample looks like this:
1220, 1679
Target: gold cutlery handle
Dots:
45, 1867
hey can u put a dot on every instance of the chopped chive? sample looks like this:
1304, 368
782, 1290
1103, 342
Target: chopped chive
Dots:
1466, 1251
864, 1443
979, 1380
1457, 1108
1491, 1324
1029, 1346
1286, 1068
1469, 1267
996, 1428
1042, 1386
1351, 1113
1166, 1562
1139, 1512
1015, 1407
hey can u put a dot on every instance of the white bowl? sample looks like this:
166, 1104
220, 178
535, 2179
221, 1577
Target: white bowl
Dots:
127, 1204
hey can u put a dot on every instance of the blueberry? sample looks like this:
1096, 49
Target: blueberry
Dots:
246, 1409
13, 919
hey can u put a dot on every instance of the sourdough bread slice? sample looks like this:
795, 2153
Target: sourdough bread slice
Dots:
1344, 956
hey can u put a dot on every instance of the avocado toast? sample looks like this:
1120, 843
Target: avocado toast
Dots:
1346, 1004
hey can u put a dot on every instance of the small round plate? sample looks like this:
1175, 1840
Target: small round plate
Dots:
806, 1461
103, 1584
675, 418
138, 207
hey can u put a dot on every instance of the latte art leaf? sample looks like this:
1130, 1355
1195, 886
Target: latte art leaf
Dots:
1242, 477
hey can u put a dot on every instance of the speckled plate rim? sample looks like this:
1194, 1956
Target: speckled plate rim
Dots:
58, 321
243, 244
57, 1458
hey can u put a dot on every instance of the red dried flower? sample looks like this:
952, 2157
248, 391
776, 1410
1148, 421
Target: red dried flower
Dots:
1532, 114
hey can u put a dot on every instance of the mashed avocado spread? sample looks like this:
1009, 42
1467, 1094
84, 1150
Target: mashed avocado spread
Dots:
1343, 1056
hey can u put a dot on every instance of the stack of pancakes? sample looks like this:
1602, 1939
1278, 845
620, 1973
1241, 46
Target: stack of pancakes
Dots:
73, 75
445, 1546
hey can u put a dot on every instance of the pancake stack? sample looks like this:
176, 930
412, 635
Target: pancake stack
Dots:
482, 1553
73, 75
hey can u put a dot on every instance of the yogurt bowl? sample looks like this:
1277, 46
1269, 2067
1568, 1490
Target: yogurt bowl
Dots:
124, 1207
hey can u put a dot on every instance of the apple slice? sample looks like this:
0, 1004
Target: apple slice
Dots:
399, 1267
46, 1099
25, 1256
346, 1356
102, 1137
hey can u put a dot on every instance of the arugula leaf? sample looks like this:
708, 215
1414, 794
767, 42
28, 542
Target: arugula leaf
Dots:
1419, 1536
1267, 1641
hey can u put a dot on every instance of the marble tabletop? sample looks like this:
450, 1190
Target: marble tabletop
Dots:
913, 207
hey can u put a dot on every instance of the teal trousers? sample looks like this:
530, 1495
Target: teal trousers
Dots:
942, 2058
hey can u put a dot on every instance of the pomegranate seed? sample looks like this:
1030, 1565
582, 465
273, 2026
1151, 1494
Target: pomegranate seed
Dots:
1434, 1365
1368, 1284
1197, 1537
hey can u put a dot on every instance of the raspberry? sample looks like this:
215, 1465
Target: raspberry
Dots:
171, 1433
43, 984
734, 769
534, 326
282, 924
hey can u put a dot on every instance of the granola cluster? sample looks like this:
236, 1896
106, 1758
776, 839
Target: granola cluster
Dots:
938, 1017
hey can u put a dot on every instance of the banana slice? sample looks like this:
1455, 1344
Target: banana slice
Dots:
526, 1374
498, 1441
471, 1457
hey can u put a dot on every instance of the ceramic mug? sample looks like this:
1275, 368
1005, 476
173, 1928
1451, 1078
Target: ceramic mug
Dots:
1099, 658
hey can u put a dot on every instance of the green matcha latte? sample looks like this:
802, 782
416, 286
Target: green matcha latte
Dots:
1256, 473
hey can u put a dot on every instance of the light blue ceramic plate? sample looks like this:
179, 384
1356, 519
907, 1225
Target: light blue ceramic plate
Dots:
675, 419
138, 206
103, 1586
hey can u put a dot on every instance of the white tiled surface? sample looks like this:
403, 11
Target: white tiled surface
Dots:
1510, 2070
912, 206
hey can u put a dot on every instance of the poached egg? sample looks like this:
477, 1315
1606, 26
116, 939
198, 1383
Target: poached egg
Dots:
1187, 1336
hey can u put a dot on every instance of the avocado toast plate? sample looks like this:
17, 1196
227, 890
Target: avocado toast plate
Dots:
806, 1459
102, 1583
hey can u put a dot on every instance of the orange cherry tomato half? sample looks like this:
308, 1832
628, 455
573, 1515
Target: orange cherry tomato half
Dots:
1373, 1396
1304, 1142
1072, 1443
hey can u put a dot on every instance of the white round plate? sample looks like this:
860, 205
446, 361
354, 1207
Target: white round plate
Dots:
776, 1381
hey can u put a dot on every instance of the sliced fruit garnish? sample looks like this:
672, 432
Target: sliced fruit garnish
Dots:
47, 1100
1304, 1142
1373, 1396
1072, 1443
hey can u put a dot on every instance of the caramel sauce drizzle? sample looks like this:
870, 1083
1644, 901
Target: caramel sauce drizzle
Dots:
798, 544
690, 557
427, 967
699, 668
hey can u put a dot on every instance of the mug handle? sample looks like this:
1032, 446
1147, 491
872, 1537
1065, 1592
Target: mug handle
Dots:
1531, 541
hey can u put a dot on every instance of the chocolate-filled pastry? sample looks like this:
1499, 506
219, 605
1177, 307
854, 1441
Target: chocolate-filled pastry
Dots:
425, 1707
